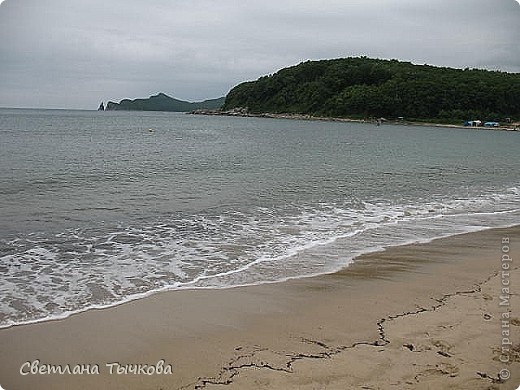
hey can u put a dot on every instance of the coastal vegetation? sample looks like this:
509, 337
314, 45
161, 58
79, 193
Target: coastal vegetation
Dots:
363, 87
163, 102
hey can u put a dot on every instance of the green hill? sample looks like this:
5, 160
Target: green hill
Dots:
162, 102
364, 87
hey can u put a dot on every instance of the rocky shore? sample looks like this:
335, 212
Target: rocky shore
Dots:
244, 112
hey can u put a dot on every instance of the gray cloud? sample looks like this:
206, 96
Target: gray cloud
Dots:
72, 53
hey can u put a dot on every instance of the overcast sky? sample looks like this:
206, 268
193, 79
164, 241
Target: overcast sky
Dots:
76, 53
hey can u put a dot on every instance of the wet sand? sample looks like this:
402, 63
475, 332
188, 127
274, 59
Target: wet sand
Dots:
426, 316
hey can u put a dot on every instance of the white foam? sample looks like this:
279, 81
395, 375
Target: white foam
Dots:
78, 270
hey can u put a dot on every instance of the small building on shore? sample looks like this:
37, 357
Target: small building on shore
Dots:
474, 123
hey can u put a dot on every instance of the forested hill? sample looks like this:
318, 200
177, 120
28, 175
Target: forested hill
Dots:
162, 102
364, 87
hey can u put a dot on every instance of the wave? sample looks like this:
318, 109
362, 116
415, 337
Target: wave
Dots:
52, 276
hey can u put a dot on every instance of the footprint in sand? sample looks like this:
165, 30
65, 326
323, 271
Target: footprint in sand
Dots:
444, 348
442, 369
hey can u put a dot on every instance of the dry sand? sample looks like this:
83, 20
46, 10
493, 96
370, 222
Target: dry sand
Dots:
423, 316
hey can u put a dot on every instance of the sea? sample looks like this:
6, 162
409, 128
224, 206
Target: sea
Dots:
100, 208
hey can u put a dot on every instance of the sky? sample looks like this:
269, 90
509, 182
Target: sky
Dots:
77, 53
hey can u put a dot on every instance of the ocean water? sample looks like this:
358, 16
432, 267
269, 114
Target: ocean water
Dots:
98, 208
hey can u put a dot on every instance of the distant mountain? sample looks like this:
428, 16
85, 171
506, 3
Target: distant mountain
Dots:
364, 87
162, 102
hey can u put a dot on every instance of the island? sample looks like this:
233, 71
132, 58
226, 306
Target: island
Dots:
163, 102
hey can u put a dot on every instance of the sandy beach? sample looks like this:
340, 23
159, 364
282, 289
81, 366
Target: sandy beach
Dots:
427, 316
376, 121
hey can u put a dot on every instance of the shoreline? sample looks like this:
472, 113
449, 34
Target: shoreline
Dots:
328, 331
307, 117
168, 289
